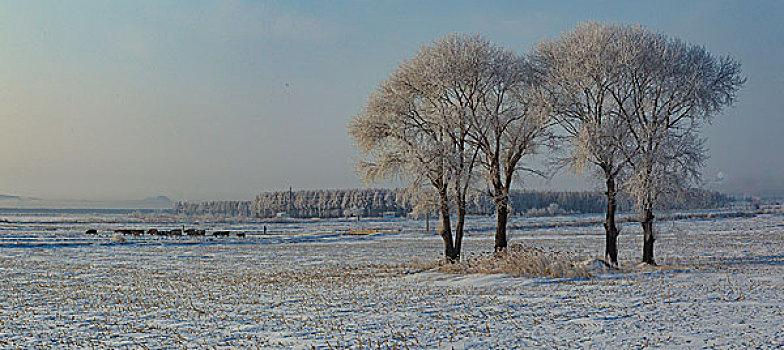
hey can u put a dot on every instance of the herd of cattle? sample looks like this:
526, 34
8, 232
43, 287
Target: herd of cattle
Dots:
176, 232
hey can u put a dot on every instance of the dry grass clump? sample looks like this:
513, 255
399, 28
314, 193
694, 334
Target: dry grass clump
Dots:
520, 261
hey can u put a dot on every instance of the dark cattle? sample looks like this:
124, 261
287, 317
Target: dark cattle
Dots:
152, 231
240, 234
194, 232
91, 232
221, 233
137, 232
176, 232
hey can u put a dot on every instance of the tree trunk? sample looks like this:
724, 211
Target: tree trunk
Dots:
502, 215
461, 212
460, 197
445, 230
648, 237
611, 230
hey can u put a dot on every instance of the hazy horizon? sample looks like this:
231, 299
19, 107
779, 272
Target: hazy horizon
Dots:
204, 100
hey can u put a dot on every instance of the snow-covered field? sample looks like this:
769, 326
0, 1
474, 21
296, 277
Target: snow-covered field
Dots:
306, 285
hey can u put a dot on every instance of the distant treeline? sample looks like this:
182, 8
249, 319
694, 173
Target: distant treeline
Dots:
380, 202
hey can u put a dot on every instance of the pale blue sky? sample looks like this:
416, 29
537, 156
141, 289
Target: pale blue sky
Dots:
224, 99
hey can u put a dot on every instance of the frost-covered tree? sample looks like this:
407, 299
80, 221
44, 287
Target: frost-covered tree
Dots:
415, 127
459, 102
507, 119
582, 72
632, 102
671, 89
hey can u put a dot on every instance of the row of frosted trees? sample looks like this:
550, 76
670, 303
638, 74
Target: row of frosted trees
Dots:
377, 202
620, 103
215, 208
304, 204
329, 203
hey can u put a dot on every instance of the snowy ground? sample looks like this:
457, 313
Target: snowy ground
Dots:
307, 287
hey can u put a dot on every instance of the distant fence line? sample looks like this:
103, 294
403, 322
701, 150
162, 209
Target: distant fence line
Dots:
380, 202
